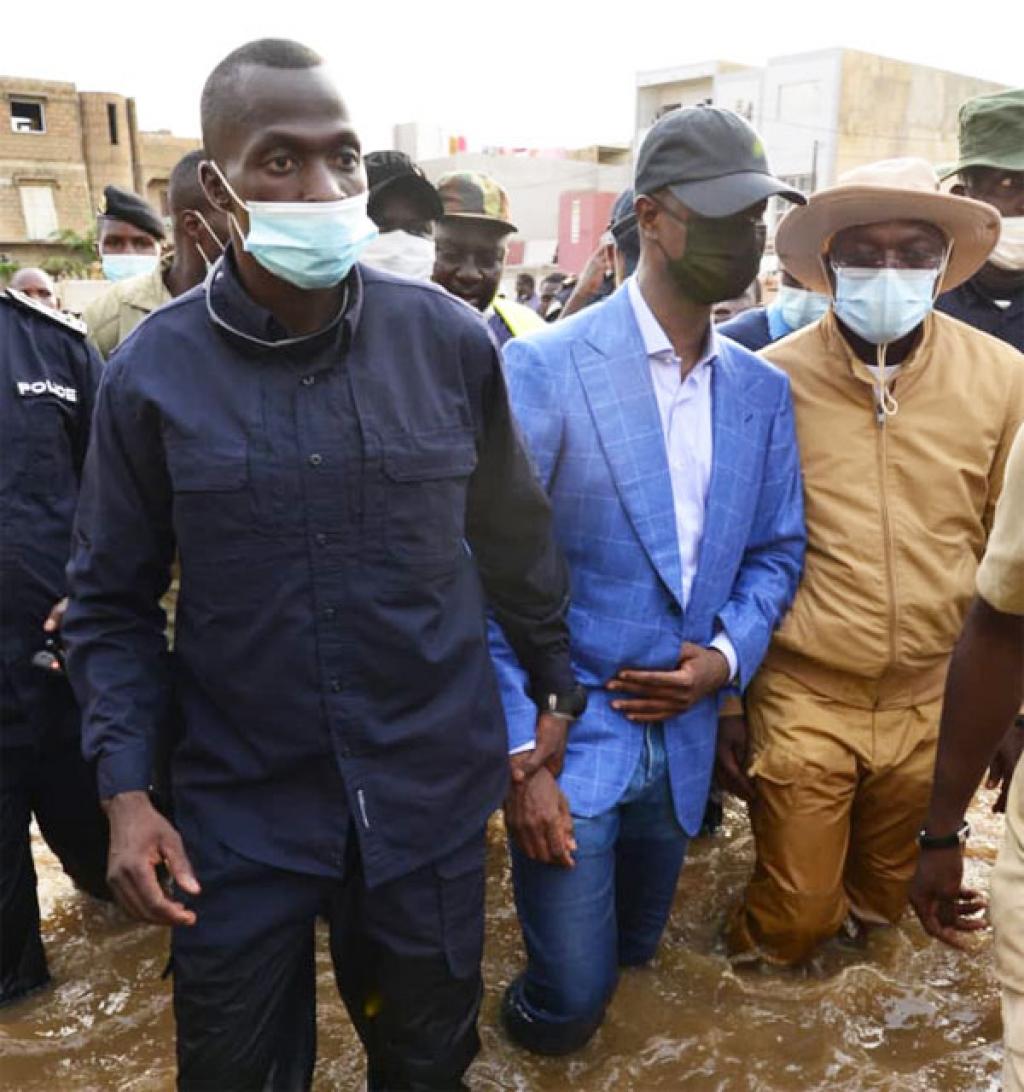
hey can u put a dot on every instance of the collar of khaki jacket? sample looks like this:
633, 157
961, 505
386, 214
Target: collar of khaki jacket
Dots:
912, 367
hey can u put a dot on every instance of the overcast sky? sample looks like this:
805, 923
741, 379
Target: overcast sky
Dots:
538, 74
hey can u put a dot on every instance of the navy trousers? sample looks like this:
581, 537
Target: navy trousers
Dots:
581, 925
406, 960
42, 773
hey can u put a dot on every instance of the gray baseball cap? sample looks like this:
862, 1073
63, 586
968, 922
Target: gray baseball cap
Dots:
711, 159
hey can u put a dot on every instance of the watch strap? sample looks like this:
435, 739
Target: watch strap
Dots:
945, 841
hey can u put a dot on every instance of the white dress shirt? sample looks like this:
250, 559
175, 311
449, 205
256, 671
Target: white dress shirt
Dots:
685, 409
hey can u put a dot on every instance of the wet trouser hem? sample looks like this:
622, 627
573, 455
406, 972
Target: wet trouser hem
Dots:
542, 1034
20, 992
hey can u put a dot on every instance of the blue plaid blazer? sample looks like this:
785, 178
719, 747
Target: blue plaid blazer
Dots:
583, 396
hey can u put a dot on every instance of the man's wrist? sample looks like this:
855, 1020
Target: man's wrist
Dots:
566, 704
721, 644
935, 837
125, 801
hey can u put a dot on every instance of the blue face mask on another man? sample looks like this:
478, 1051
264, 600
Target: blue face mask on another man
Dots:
122, 267
800, 307
310, 244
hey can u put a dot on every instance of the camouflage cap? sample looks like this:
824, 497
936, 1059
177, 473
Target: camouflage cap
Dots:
991, 133
476, 196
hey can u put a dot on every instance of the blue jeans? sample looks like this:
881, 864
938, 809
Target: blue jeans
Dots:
581, 924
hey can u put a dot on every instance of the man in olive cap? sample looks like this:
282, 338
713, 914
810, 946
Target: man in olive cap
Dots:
128, 235
472, 238
991, 168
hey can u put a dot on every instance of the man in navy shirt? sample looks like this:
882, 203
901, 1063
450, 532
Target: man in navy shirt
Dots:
991, 168
331, 452
48, 378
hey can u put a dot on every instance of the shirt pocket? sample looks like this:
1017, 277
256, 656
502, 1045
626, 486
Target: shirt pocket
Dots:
212, 501
426, 478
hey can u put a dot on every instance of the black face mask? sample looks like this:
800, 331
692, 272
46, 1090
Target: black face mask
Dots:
722, 257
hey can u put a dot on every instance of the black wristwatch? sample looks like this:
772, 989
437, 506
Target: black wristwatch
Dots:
568, 704
946, 841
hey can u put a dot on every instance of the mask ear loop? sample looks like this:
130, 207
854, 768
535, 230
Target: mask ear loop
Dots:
213, 235
234, 196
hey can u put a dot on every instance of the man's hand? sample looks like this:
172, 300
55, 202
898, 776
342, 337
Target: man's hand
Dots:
594, 272
537, 816
590, 282
140, 840
1000, 772
549, 750
947, 910
55, 619
731, 756
664, 694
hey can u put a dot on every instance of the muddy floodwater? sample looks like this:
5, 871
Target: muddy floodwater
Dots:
903, 1014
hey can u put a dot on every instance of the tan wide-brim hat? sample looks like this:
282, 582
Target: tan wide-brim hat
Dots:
895, 189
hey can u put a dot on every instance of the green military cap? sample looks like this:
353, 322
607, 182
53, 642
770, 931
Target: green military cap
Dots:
474, 195
991, 133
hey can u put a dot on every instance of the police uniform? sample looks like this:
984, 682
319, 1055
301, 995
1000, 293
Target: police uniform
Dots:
48, 378
341, 504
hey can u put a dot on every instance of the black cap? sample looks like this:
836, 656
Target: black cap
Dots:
624, 230
711, 159
124, 205
394, 172
622, 222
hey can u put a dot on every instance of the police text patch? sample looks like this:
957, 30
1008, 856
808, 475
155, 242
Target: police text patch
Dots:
31, 389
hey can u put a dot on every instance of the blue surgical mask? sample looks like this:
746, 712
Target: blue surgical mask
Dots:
311, 244
799, 307
121, 267
883, 305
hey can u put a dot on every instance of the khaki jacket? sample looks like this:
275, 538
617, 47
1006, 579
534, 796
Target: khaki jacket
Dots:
112, 316
897, 514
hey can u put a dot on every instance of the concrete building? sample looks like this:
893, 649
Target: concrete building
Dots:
59, 148
822, 113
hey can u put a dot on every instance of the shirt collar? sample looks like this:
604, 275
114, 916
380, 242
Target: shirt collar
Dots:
232, 303
655, 339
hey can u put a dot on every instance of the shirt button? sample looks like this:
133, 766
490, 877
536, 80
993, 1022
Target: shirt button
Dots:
320, 539
315, 460
308, 380
329, 614
336, 686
